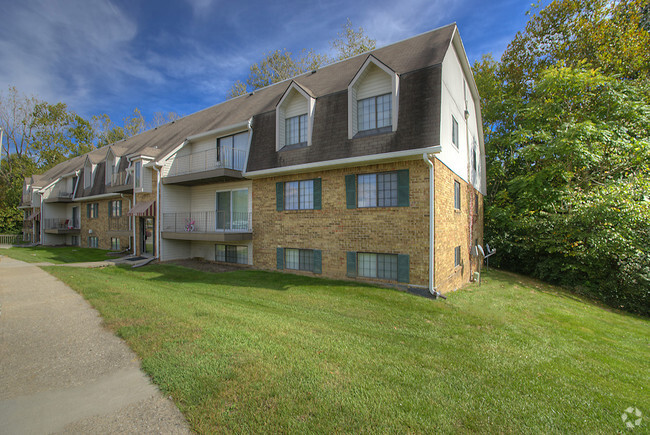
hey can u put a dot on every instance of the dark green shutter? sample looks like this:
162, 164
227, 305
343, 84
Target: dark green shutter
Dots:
317, 194
119, 208
109, 208
88, 211
318, 261
351, 190
96, 209
352, 264
403, 188
279, 196
403, 268
280, 258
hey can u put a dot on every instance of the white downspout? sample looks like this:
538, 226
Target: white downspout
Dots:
432, 229
135, 240
40, 227
158, 186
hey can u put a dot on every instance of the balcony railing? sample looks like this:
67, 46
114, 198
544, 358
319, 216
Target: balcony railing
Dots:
207, 222
119, 179
228, 158
64, 195
119, 223
61, 224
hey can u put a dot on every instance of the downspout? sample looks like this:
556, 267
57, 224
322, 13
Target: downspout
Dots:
40, 227
135, 240
432, 228
158, 186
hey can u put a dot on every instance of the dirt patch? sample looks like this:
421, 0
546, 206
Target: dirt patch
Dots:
208, 266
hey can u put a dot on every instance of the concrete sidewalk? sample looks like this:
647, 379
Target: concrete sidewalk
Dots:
62, 372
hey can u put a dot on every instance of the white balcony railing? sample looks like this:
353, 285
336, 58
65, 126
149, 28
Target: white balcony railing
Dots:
226, 158
207, 222
61, 224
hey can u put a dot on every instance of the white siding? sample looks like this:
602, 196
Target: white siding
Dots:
175, 249
373, 81
455, 99
175, 199
147, 174
294, 105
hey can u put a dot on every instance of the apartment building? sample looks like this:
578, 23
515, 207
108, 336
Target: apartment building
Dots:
371, 169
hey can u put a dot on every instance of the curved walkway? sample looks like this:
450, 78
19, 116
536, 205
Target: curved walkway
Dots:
62, 372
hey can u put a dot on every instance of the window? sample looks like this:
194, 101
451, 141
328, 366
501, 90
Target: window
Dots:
457, 256
394, 267
474, 163
299, 195
454, 131
232, 210
138, 174
74, 240
475, 203
299, 259
374, 112
92, 210
296, 130
115, 208
93, 241
456, 195
377, 190
88, 176
232, 254
115, 243
231, 151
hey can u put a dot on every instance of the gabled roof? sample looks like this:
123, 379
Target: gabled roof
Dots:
416, 53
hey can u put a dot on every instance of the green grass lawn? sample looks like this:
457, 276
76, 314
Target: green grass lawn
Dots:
253, 351
56, 254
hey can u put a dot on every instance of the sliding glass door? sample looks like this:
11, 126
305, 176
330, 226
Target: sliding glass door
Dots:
232, 210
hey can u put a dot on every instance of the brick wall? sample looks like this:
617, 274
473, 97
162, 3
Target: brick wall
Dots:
99, 225
335, 229
453, 229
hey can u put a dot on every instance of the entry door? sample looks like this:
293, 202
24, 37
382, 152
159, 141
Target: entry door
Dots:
147, 235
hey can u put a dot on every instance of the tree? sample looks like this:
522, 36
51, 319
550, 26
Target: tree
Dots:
280, 65
567, 132
276, 66
352, 42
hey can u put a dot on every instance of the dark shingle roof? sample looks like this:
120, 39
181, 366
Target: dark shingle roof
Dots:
413, 54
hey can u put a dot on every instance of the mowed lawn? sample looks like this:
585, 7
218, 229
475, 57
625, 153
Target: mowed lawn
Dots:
254, 351
56, 255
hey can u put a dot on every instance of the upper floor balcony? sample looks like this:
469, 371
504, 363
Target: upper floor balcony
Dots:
120, 183
218, 164
60, 196
61, 226
219, 226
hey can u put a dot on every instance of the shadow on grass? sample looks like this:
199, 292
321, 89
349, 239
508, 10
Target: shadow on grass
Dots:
510, 278
247, 278
56, 254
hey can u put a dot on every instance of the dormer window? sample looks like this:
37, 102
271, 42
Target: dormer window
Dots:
88, 174
374, 112
296, 130
294, 118
373, 95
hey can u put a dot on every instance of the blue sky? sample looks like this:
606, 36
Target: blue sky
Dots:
103, 56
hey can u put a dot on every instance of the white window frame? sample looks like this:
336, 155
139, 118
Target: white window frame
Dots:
457, 196
280, 118
353, 128
216, 208
454, 132
301, 200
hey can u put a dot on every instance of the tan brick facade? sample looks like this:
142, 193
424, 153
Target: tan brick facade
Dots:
453, 229
100, 225
336, 230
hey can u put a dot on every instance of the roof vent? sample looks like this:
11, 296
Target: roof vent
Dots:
314, 71
251, 94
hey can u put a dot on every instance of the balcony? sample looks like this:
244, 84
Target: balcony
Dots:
60, 196
61, 226
119, 224
208, 225
120, 183
206, 167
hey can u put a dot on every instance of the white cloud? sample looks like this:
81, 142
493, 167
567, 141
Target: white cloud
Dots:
60, 50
